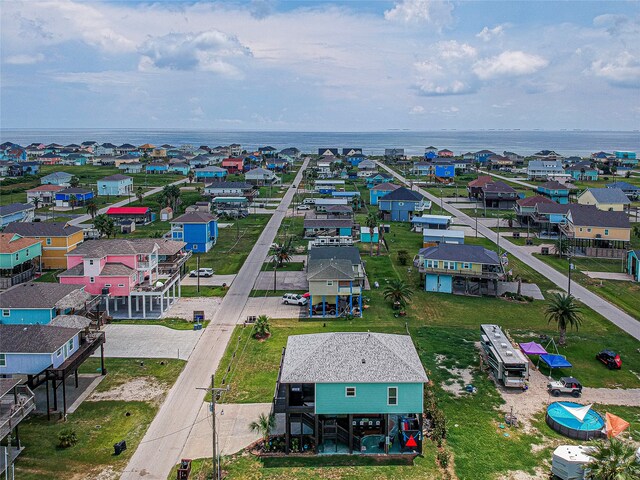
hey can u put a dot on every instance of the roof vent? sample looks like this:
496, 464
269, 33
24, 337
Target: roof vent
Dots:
503, 345
363, 360
509, 353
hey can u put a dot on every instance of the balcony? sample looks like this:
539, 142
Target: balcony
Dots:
148, 265
15, 404
488, 272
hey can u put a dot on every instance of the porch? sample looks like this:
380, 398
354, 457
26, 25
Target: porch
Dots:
145, 301
19, 274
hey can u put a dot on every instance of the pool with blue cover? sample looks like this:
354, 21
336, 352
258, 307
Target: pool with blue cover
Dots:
563, 422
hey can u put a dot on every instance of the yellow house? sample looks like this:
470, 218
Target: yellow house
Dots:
596, 233
605, 199
57, 239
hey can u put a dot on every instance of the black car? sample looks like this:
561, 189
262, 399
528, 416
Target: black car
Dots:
329, 309
610, 358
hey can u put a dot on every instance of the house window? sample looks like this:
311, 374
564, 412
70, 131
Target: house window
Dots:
121, 285
3, 360
606, 231
447, 265
107, 284
17, 256
48, 241
90, 262
433, 264
466, 266
58, 352
6, 313
350, 391
392, 395
70, 344
195, 247
329, 283
401, 204
92, 280
588, 230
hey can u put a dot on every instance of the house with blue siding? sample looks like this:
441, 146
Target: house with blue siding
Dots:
482, 156
73, 197
39, 302
16, 212
157, 167
555, 191
626, 158
633, 264
19, 257
181, 168
378, 178
199, 230
460, 269
583, 171
433, 222
117, 185
62, 179
380, 190
352, 393
402, 205
210, 173
631, 191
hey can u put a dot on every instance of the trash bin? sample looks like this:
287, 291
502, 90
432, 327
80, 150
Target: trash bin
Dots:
119, 447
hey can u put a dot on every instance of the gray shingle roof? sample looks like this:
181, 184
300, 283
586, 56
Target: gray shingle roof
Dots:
74, 190
116, 270
114, 246
330, 269
547, 208
34, 338
224, 184
608, 195
590, 216
14, 208
498, 187
57, 176
386, 186
339, 253
402, 194
195, 217
344, 357
42, 229
553, 185
115, 178
461, 253
624, 186
43, 295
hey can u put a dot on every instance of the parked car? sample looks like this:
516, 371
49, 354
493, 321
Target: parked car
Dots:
304, 207
329, 309
610, 358
203, 272
568, 385
294, 299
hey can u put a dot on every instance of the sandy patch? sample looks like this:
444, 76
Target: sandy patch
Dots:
539, 473
107, 474
138, 390
458, 377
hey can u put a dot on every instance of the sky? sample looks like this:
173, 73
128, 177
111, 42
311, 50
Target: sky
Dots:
320, 66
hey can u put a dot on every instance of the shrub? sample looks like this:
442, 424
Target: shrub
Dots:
443, 457
67, 438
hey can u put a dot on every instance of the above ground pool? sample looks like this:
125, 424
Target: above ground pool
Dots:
566, 424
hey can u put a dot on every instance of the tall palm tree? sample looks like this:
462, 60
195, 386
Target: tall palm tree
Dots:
563, 310
73, 200
371, 223
92, 209
561, 247
36, 202
264, 425
282, 253
509, 217
139, 194
190, 176
613, 459
74, 182
398, 292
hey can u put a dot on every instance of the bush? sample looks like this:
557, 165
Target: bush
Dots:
67, 438
443, 457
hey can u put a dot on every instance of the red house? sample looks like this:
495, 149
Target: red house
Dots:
139, 215
233, 165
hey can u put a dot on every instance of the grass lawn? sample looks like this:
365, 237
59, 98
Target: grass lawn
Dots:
173, 323
49, 276
98, 426
205, 291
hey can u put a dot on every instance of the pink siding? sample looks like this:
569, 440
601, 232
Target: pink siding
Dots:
73, 260
96, 287
128, 260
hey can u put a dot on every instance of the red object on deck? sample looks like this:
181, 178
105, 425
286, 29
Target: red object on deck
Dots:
128, 211
411, 442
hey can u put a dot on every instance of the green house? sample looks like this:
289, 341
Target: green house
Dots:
18, 258
350, 393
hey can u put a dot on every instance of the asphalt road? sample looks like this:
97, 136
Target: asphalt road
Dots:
162, 445
609, 311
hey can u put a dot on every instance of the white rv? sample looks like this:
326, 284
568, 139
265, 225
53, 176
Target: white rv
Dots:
507, 362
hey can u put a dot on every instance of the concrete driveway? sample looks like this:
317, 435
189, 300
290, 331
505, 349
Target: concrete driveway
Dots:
212, 281
284, 281
148, 341
273, 308
625, 277
184, 307
232, 424
529, 289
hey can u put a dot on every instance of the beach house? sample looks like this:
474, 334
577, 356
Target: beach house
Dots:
631, 191
62, 179
45, 194
19, 258
261, 176
199, 230
555, 191
583, 171
117, 185
73, 197
592, 232
543, 169
211, 173
607, 199
16, 212
380, 190
402, 205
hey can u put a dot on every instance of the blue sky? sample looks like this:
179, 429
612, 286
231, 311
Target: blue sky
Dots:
320, 66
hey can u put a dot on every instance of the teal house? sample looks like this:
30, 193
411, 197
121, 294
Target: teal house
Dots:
19, 257
460, 269
583, 171
367, 237
633, 264
380, 190
555, 191
350, 393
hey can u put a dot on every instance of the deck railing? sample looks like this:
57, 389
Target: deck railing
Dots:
14, 408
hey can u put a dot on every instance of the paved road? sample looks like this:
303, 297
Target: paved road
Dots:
612, 313
509, 179
86, 218
161, 447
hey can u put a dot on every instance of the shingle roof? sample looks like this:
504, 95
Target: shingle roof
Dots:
548, 208
608, 195
9, 244
195, 217
624, 186
553, 185
116, 177
70, 321
46, 188
43, 295
532, 201
330, 269
259, 171
14, 208
339, 209
590, 216
74, 190
58, 176
481, 181
116, 270
402, 194
343, 357
461, 253
339, 253
498, 187
114, 246
34, 338
386, 187
42, 229
224, 184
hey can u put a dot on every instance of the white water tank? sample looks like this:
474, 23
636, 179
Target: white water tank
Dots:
569, 462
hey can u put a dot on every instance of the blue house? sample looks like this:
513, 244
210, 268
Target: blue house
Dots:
633, 264
583, 171
445, 171
402, 205
30, 168
345, 194
16, 212
482, 156
367, 237
39, 302
157, 167
556, 191
210, 173
181, 168
433, 222
356, 158
199, 230
378, 178
626, 158
77, 196
381, 190
117, 184
631, 191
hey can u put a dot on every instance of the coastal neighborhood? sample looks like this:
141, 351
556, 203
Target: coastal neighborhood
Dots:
337, 304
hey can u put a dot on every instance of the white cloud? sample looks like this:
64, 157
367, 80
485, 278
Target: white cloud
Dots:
509, 63
208, 51
489, 33
446, 71
417, 110
452, 50
435, 12
24, 59
622, 71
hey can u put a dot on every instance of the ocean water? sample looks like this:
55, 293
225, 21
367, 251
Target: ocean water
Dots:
576, 142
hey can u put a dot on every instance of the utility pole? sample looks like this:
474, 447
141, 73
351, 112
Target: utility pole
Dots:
570, 268
214, 457
198, 272
475, 210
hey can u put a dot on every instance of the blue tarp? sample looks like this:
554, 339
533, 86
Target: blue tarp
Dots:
555, 361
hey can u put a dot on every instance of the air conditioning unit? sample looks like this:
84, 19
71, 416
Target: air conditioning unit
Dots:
509, 353
503, 345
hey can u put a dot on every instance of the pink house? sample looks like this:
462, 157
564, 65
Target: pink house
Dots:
125, 273
445, 153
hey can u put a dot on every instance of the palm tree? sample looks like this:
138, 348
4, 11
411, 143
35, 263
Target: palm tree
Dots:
92, 209
74, 182
563, 310
261, 329
636, 230
613, 460
282, 253
371, 223
398, 292
104, 225
264, 425
139, 194
561, 248
73, 200
36, 202
190, 176
509, 217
